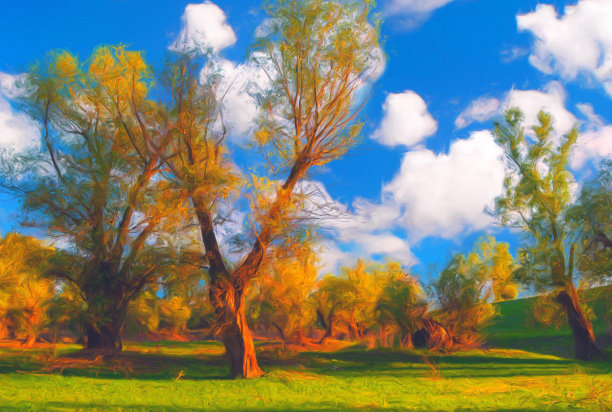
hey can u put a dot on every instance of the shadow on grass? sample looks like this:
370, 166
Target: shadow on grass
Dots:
202, 361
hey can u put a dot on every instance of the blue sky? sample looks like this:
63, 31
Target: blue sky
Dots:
415, 189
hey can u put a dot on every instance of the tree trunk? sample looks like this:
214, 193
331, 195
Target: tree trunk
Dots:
585, 345
104, 338
30, 341
329, 332
239, 346
407, 340
282, 336
353, 330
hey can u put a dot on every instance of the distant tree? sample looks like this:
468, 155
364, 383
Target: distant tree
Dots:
538, 200
333, 295
350, 298
462, 296
403, 304
143, 315
25, 292
500, 266
282, 301
317, 55
95, 184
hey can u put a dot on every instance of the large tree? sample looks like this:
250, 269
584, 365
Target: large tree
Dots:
538, 200
93, 186
317, 54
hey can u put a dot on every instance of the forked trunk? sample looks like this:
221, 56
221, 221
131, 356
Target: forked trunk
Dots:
585, 345
239, 346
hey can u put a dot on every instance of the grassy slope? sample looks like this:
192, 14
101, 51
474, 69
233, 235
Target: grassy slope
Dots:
514, 327
192, 376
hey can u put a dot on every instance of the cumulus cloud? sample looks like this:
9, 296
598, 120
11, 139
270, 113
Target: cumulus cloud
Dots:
431, 195
205, 28
406, 120
551, 99
480, 110
446, 194
17, 131
364, 231
577, 41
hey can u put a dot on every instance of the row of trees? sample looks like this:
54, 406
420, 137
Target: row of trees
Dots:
137, 179
382, 303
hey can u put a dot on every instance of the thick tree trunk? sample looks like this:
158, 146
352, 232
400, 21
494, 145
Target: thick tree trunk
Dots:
239, 346
104, 338
585, 345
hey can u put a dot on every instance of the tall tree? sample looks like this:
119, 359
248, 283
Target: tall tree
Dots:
94, 185
537, 200
317, 55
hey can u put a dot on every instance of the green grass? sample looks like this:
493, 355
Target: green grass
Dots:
514, 328
193, 376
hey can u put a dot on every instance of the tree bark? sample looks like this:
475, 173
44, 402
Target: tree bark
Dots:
239, 346
585, 346
406, 341
329, 331
104, 338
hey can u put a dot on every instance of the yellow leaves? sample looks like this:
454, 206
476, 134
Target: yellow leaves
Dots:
262, 136
66, 66
122, 74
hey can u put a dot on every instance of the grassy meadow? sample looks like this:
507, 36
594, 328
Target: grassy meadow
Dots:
522, 369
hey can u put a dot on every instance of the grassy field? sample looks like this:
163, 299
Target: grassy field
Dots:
193, 376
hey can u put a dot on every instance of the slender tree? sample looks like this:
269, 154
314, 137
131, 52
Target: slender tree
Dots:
538, 200
317, 55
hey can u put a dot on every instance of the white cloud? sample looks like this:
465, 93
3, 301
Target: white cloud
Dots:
17, 131
480, 110
595, 142
361, 233
551, 99
238, 84
446, 194
414, 6
431, 195
578, 41
205, 28
406, 120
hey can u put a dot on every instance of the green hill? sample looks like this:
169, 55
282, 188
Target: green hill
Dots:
515, 328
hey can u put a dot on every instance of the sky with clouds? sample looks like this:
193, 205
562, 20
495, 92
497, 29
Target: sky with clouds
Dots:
416, 188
